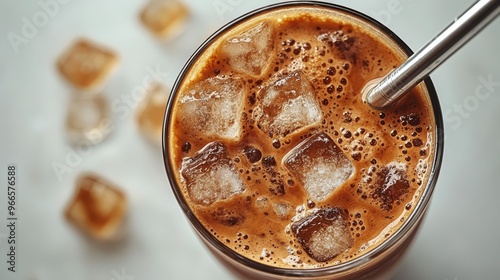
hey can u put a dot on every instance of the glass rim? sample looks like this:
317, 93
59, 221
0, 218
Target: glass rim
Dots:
385, 245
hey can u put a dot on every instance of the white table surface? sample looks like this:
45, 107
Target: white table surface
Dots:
458, 240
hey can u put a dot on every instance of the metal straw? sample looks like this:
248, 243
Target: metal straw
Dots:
384, 94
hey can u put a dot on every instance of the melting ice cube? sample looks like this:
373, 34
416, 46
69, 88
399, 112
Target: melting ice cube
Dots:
249, 51
319, 164
281, 209
210, 175
390, 185
213, 107
287, 105
324, 233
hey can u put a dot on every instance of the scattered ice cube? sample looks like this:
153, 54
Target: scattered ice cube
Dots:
323, 233
86, 65
87, 119
391, 184
98, 206
213, 107
165, 18
210, 175
250, 51
319, 165
287, 105
150, 112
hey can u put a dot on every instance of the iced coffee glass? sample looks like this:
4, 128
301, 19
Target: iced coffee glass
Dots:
278, 164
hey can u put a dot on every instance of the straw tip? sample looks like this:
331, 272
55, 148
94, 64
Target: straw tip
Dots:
375, 98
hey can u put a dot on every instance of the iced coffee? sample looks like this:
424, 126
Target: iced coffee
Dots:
273, 154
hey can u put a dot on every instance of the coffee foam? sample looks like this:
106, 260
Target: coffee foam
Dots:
338, 58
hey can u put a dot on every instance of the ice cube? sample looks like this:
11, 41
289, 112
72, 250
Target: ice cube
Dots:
87, 119
164, 18
319, 165
150, 112
287, 105
250, 51
213, 108
86, 65
210, 175
281, 209
323, 233
98, 206
262, 203
391, 185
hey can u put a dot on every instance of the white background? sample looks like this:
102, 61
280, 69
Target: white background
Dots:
459, 237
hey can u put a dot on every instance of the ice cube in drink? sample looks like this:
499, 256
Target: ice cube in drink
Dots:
390, 185
319, 165
210, 175
249, 52
282, 209
324, 233
213, 108
287, 105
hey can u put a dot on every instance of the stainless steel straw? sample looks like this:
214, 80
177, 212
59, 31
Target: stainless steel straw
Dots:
384, 94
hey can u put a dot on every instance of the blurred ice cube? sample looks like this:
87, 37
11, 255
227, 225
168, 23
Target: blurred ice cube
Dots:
86, 65
250, 51
210, 175
213, 107
150, 112
87, 119
287, 105
98, 206
319, 165
165, 18
391, 185
324, 233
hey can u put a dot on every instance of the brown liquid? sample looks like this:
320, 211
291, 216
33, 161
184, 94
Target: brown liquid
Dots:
338, 56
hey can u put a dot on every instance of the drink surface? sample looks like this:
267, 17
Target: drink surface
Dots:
275, 152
